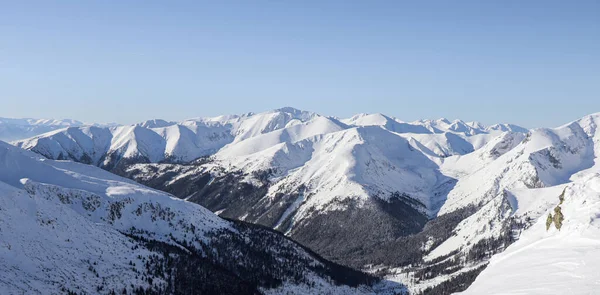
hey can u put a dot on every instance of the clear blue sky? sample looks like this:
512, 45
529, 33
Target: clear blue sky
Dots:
534, 63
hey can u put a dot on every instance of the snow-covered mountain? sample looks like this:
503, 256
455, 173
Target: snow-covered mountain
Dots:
514, 193
425, 203
158, 140
72, 228
17, 129
313, 165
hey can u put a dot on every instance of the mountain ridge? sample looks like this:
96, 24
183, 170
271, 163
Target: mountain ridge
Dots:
450, 194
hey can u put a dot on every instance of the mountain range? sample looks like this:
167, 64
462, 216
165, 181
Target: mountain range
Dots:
431, 205
16, 129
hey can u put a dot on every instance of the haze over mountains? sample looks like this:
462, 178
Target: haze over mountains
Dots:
15, 129
425, 204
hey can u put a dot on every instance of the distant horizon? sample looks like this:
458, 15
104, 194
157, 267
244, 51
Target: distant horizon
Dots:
530, 63
558, 124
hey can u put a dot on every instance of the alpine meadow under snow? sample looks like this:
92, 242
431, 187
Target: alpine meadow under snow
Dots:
312, 203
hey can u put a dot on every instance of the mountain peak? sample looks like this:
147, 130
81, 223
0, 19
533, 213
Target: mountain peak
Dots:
296, 113
594, 117
443, 120
291, 110
155, 123
365, 119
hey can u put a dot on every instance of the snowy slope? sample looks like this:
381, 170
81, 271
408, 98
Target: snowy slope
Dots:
552, 261
546, 157
73, 227
358, 162
357, 158
490, 177
510, 184
466, 128
158, 140
439, 138
548, 259
391, 124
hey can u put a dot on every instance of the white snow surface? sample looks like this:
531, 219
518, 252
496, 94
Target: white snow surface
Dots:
552, 261
157, 140
56, 221
521, 176
502, 179
61, 224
